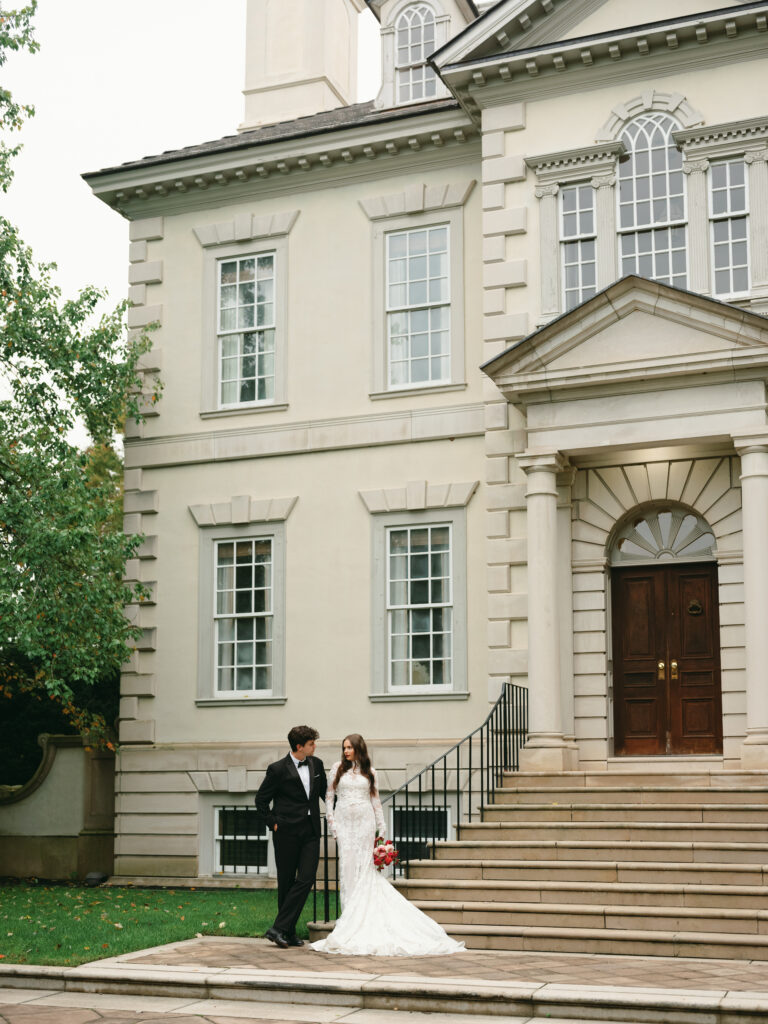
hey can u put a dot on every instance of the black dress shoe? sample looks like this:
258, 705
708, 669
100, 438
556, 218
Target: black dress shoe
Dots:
277, 937
294, 940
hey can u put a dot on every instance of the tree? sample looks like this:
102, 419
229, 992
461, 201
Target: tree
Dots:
62, 556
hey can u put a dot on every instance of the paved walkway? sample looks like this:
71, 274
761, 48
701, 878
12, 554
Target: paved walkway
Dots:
228, 980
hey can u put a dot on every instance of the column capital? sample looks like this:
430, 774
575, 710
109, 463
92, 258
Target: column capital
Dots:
546, 191
752, 441
550, 462
756, 156
695, 166
603, 181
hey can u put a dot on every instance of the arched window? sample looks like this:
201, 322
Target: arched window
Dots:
652, 209
665, 533
415, 40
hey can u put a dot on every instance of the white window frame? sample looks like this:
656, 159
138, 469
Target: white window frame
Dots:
240, 331
213, 256
208, 692
407, 308
455, 518
428, 73
670, 224
729, 216
579, 238
453, 218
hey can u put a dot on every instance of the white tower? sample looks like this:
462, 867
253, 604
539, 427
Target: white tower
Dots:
300, 58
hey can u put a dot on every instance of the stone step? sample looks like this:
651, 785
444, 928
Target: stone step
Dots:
616, 832
546, 893
611, 940
640, 777
628, 812
563, 870
592, 916
602, 850
658, 794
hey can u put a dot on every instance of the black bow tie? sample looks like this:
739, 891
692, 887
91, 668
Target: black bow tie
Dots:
300, 764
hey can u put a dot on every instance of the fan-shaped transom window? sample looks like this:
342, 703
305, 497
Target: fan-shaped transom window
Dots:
652, 215
415, 41
664, 534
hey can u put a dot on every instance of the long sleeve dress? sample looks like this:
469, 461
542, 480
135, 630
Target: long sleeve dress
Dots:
376, 920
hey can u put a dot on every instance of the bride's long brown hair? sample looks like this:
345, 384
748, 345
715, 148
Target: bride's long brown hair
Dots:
361, 757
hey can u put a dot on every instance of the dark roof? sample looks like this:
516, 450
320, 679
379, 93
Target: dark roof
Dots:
354, 116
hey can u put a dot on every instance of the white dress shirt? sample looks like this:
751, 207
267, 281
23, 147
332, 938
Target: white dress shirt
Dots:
303, 770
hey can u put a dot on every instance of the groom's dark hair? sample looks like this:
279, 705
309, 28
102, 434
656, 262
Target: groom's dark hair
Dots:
301, 734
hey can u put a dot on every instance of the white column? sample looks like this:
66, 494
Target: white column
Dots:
754, 510
698, 226
549, 249
546, 749
565, 597
757, 166
605, 224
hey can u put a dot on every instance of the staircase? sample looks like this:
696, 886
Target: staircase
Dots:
629, 862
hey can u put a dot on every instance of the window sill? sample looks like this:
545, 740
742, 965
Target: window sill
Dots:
237, 702
391, 698
246, 410
432, 389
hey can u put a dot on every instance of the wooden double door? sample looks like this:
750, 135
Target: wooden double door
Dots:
666, 660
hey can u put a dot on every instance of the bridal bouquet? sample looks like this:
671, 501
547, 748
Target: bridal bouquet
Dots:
384, 853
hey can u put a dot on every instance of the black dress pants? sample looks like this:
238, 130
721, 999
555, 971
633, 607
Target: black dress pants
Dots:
297, 852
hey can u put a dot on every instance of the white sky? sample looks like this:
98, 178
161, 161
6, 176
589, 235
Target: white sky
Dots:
117, 80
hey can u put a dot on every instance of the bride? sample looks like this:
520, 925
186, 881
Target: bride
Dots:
376, 920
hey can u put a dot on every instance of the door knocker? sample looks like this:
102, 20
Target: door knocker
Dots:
695, 607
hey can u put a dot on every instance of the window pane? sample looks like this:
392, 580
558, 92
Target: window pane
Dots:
246, 299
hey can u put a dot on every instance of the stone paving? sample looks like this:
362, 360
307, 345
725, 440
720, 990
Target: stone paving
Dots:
545, 968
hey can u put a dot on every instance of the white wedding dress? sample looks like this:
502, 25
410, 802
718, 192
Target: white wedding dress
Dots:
376, 920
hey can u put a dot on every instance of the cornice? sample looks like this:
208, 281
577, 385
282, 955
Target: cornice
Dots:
551, 167
144, 190
689, 41
722, 139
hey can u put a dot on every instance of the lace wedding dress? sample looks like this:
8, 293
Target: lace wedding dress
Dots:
376, 920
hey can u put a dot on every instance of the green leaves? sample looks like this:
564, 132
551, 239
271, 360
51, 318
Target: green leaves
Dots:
63, 365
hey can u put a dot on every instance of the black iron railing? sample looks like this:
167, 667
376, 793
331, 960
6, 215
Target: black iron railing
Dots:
457, 786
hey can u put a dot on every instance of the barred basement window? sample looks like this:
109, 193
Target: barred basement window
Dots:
241, 843
414, 829
728, 210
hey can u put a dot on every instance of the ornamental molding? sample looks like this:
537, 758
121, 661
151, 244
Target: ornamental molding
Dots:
246, 227
728, 139
417, 199
243, 510
419, 495
326, 156
672, 103
572, 164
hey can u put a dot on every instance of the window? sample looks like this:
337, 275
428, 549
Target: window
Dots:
243, 617
728, 210
578, 244
652, 226
242, 845
418, 307
415, 41
419, 606
246, 327
241, 610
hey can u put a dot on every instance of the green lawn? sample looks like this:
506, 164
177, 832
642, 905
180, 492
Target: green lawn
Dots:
70, 924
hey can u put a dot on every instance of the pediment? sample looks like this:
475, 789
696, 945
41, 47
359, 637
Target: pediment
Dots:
633, 333
514, 25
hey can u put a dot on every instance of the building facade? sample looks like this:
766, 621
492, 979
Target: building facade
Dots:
463, 385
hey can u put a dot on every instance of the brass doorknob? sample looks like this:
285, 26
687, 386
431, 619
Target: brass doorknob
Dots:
673, 667
660, 668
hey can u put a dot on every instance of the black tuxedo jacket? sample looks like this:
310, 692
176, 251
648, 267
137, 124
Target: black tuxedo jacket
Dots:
282, 799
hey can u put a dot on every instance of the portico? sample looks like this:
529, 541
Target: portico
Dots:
656, 400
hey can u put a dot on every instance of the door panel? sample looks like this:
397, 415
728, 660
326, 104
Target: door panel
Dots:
666, 660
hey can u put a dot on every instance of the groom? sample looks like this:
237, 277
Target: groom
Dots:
293, 787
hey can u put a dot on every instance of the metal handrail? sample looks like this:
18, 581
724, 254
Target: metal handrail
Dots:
466, 778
